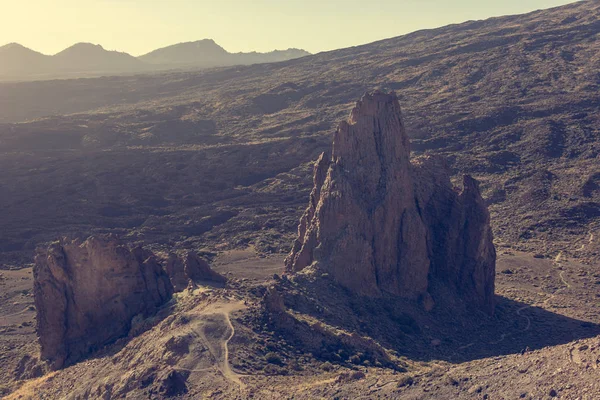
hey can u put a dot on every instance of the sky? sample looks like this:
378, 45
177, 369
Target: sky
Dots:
139, 26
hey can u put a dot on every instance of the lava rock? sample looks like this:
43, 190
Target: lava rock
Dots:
381, 224
87, 293
190, 267
172, 384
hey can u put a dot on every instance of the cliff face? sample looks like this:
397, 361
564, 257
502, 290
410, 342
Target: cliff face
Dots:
86, 295
378, 223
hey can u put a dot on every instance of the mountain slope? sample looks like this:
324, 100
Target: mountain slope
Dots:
511, 100
16, 59
88, 60
203, 52
222, 161
94, 58
206, 53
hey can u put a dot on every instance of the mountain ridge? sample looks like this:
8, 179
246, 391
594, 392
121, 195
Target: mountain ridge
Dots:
22, 63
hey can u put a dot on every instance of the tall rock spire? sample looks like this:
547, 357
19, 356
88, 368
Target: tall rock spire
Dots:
379, 224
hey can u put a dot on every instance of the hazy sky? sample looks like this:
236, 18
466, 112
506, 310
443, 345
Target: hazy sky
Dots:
138, 26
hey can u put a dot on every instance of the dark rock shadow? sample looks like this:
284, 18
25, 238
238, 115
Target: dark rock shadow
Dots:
516, 328
450, 332
137, 328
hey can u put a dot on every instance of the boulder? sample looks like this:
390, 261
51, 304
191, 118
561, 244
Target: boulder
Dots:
87, 293
381, 224
190, 267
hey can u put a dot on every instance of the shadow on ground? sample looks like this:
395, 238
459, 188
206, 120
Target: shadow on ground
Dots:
451, 332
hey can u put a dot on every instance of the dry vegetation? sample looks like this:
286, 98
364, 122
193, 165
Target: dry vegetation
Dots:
221, 160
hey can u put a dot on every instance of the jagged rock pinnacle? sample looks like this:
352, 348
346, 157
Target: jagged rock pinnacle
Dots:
379, 224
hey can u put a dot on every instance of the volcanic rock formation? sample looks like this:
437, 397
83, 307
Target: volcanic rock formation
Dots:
86, 295
190, 267
379, 224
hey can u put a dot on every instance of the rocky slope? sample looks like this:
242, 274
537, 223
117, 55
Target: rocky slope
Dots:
379, 224
87, 294
511, 101
288, 340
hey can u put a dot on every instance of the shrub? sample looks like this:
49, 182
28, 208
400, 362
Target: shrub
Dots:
327, 366
406, 380
271, 369
273, 358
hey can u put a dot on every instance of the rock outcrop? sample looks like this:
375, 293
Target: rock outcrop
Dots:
381, 224
190, 267
87, 293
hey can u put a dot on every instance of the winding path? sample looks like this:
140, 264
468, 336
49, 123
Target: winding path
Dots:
590, 241
220, 349
226, 367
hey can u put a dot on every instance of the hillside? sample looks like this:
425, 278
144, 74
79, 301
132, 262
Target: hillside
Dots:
206, 53
511, 100
16, 59
221, 162
94, 58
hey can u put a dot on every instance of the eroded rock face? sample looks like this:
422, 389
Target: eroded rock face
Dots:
190, 267
87, 293
378, 223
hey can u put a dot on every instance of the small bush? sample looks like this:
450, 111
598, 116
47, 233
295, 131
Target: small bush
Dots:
356, 358
406, 380
327, 366
273, 358
450, 380
296, 366
271, 369
357, 375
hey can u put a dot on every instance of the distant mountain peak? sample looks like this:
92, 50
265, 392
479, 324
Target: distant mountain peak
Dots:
85, 57
207, 53
205, 41
93, 57
86, 45
12, 47
17, 59
82, 47
186, 53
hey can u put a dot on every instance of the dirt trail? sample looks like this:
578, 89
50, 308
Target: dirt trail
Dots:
226, 367
219, 346
590, 241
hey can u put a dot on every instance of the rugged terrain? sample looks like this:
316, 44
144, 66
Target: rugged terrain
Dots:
379, 222
88, 293
512, 101
542, 340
